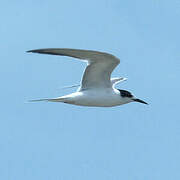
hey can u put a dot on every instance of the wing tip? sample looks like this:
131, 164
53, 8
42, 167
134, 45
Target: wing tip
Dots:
44, 51
38, 100
33, 51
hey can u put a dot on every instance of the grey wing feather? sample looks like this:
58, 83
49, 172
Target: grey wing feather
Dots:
99, 69
76, 53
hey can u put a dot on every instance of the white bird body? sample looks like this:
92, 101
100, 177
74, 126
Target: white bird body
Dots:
96, 97
97, 86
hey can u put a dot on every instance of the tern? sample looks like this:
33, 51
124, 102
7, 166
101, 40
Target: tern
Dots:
97, 88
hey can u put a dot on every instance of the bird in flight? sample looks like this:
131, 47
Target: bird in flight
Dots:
97, 87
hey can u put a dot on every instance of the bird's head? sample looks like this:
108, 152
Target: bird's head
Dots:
129, 97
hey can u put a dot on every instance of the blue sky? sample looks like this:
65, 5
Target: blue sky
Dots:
43, 141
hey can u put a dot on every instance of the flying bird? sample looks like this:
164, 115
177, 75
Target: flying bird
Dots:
97, 87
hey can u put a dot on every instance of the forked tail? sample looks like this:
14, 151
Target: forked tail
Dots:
49, 100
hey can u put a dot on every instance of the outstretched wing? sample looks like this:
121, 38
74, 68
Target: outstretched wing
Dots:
117, 80
114, 81
99, 68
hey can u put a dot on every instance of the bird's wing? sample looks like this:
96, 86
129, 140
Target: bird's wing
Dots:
99, 68
114, 81
117, 80
69, 87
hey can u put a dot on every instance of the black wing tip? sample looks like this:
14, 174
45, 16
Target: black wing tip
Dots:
33, 51
50, 51
43, 51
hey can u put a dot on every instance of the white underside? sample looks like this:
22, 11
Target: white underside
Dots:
98, 97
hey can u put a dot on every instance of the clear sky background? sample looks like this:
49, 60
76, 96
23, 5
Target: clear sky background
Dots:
54, 141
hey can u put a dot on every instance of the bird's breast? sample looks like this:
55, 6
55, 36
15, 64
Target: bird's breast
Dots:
97, 97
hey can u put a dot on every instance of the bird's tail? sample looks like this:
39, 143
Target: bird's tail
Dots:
59, 99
